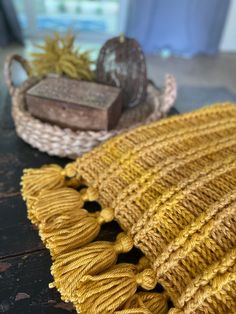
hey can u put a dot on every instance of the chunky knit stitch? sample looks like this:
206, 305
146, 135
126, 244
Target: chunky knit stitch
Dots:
171, 186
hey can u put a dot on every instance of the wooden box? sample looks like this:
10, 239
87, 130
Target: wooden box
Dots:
75, 104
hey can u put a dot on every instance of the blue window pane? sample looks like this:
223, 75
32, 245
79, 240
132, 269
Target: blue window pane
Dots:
88, 16
66, 22
23, 21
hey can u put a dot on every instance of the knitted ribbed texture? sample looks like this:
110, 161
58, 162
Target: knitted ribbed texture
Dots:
171, 186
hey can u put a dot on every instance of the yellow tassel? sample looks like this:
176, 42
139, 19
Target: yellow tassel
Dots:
91, 259
134, 306
60, 202
83, 228
136, 310
63, 224
109, 291
156, 303
52, 204
64, 231
47, 177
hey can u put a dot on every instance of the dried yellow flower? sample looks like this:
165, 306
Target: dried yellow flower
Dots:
60, 56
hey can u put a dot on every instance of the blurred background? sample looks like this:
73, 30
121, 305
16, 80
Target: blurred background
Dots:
194, 40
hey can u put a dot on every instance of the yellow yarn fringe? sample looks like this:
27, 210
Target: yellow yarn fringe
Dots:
51, 205
92, 259
47, 177
110, 290
35, 180
85, 273
63, 223
156, 303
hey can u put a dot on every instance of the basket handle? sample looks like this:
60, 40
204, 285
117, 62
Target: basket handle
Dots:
164, 99
7, 70
170, 93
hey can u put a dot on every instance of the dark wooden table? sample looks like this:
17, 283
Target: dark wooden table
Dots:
24, 262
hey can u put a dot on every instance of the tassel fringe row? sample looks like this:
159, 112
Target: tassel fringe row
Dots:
85, 272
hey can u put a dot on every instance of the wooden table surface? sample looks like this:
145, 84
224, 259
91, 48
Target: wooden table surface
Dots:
24, 261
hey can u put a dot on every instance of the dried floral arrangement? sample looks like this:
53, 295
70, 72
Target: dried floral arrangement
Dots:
59, 55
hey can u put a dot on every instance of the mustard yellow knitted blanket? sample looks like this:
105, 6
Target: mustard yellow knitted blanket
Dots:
171, 186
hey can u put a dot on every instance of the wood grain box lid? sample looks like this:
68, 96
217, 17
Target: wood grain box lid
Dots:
75, 104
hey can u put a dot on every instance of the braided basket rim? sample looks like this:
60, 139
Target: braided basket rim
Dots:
64, 142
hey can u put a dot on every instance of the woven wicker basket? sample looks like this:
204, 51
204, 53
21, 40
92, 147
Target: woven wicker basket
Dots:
62, 142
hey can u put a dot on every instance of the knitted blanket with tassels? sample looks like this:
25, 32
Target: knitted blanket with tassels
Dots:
171, 186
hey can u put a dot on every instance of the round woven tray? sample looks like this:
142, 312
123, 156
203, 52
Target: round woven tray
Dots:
62, 142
